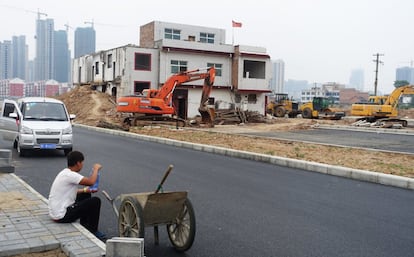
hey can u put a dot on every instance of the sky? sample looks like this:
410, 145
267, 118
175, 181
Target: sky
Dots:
319, 40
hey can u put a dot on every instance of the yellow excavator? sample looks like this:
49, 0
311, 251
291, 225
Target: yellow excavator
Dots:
379, 110
320, 108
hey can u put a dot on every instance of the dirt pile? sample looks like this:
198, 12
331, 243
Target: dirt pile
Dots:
90, 106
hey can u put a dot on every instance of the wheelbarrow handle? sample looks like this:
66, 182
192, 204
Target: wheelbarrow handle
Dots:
167, 172
112, 201
107, 196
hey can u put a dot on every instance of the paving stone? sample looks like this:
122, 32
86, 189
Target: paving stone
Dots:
26, 227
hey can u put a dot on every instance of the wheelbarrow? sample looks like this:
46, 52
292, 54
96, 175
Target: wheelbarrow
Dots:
173, 209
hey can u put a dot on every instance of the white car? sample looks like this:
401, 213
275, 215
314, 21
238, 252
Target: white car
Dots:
37, 123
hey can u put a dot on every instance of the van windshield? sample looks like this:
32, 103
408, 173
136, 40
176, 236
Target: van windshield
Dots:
44, 111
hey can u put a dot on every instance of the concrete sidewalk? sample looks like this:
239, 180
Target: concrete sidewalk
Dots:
25, 226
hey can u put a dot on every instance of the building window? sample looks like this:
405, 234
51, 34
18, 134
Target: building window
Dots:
251, 98
217, 66
142, 61
237, 98
254, 69
96, 68
109, 62
178, 66
172, 34
139, 86
207, 38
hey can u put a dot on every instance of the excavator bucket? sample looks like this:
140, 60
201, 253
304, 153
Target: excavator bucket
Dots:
206, 111
207, 117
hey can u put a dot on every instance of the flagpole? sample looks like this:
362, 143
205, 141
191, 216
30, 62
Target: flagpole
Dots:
232, 35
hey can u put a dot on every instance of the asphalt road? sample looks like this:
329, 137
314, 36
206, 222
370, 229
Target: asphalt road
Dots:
373, 140
243, 208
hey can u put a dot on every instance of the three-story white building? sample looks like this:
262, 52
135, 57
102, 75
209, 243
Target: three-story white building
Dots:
242, 72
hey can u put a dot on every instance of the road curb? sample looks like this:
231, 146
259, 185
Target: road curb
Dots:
362, 175
366, 129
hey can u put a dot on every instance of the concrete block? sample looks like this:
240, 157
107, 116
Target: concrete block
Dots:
5, 161
5, 156
6, 169
392, 180
125, 247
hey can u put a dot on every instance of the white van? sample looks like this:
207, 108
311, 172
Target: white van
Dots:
37, 123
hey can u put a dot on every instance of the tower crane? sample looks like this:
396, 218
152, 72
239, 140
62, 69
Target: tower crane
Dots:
39, 14
90, 22
67, 27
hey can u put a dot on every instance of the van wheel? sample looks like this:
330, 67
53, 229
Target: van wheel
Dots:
21, 152
67, 151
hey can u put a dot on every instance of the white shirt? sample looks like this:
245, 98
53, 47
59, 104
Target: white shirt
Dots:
63, 192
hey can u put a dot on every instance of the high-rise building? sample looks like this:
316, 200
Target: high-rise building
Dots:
277, 83
13, 58
19, 57
6, 60
357, 79
44, 60
85, 41
61, 56
405, 73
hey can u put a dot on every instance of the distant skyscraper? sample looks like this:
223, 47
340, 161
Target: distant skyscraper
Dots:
357, 79
61, 56
44, 60
278, 78
6, 63
85, 41
405, 73
19, 57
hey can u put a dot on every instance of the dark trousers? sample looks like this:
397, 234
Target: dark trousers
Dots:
87, 209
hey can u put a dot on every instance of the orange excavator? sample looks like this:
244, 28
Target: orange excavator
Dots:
156, 104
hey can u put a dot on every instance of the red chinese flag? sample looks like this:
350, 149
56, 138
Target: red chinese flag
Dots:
236, 24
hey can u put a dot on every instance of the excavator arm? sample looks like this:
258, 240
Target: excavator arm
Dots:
207, 113
158, 101
175, 80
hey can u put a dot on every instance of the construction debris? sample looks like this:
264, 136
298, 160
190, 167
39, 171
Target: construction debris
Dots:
229, 117
377, 124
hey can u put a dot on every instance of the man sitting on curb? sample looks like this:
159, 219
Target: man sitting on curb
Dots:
67, 203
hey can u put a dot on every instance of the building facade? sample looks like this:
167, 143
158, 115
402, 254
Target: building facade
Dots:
357, 79
61, 57
20, 57
85, 41
242, 72
405, 73
44, 60
277, 84
329, 90
6, 60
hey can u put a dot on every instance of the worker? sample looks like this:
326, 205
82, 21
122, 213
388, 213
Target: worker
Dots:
68, 202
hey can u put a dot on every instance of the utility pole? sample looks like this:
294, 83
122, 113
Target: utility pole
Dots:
377, 61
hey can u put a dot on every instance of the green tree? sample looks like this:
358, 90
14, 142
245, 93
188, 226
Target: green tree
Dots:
401, 83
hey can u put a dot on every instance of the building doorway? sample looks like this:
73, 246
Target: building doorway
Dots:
180, 102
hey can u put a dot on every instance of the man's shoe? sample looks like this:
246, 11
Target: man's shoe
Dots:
101, 236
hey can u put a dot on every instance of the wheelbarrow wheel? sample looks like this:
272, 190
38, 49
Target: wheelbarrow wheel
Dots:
130, 220
182, 232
